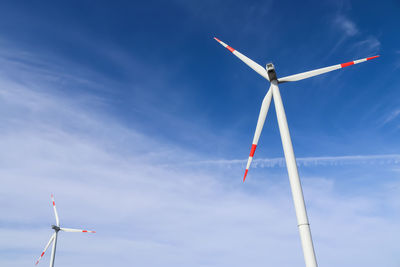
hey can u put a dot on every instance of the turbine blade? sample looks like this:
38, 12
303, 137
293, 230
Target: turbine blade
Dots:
55, 210
47, 246
311, 73
255, 66
76, 230
260, 123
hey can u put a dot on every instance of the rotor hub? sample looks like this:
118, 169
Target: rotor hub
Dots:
55, 227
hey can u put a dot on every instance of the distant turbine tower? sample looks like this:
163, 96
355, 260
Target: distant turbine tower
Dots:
297, 193
57, 228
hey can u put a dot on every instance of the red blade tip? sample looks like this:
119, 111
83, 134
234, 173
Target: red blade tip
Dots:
369, 58
245, 174
216, 39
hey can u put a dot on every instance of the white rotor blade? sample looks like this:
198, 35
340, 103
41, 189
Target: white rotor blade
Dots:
55, 210
311, 73
76, 230
255, 66
47, 246
260, 123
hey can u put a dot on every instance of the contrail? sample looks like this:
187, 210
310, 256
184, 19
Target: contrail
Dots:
387, 159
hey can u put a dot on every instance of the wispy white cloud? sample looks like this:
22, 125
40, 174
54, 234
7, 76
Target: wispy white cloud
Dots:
369, 45
361, 44
346, 25
347, 29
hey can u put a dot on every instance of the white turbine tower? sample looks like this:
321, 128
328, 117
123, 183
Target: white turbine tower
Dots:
297, 193
53, 238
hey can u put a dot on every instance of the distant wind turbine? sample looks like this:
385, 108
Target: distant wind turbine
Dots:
297, 192
53, 238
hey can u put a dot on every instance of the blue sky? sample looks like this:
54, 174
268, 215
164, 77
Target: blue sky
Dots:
140, 124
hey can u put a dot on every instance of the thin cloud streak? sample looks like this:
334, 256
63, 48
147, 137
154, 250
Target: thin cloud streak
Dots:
392, 116
389, 159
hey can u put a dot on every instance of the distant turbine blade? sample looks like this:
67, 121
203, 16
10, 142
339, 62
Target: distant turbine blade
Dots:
255, 66
55, 210
76, 230
47, 246
311, 73
260, 123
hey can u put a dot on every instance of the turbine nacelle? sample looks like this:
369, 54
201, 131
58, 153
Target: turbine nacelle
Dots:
271, 72
55, 227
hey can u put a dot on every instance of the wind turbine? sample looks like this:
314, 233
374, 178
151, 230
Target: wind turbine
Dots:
53, 238
297, 192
